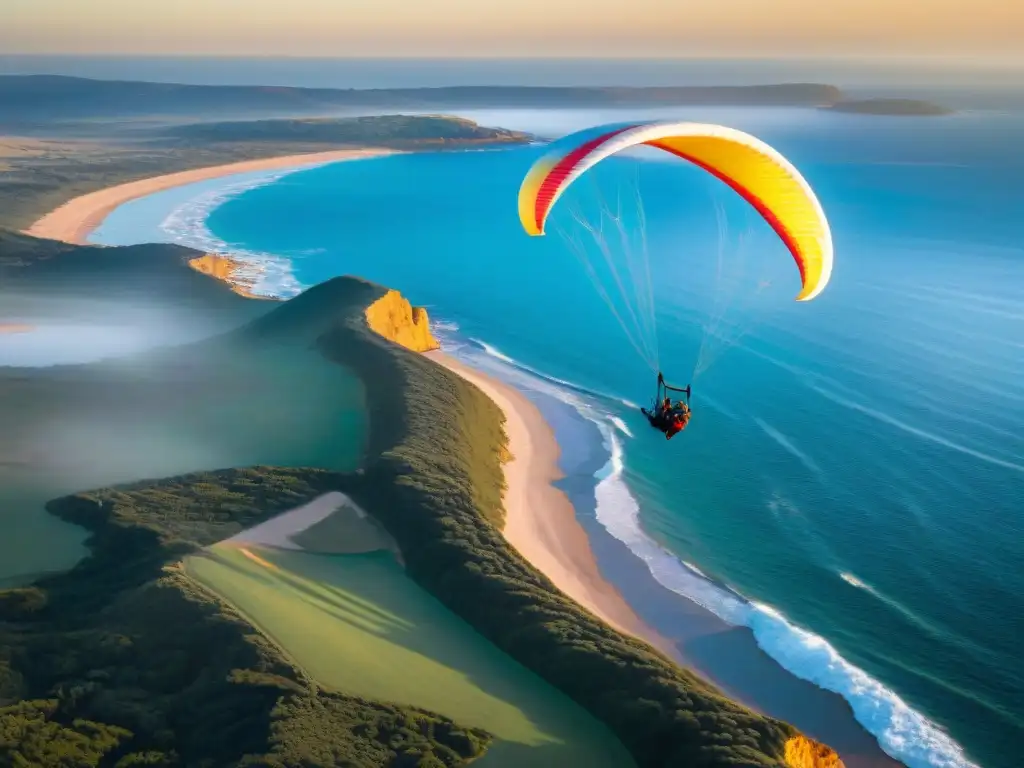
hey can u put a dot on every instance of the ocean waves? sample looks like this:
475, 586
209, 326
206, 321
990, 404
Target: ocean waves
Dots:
901, 731
266, 274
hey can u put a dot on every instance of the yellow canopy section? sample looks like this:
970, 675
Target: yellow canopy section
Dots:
755, 171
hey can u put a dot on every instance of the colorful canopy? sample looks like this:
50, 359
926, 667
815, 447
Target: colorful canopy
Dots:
758, 173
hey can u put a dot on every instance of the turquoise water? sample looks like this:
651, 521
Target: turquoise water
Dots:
855, 465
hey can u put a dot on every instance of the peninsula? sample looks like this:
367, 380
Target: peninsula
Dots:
76, 159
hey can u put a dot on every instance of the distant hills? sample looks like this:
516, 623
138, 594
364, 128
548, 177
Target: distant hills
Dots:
389, 130
53, 97
34, 101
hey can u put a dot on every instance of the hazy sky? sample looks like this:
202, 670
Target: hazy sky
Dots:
991, 28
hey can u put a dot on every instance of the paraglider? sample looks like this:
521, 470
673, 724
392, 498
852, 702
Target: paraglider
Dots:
665, 416
755, 171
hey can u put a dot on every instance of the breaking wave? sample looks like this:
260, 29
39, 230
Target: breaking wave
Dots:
901, 731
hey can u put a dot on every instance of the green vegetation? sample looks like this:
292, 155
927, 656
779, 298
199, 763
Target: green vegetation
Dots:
358, 624
91, 667
434, 480
382, 130
124, 661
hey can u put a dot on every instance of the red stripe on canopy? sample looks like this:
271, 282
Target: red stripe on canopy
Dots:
562, 169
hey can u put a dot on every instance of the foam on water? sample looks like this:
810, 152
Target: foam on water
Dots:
269, 274
853, 581
787, 445
620, 425
494, 352
902, 732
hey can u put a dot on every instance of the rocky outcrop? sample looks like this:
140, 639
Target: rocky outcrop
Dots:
394, 318
802, 752
226, 269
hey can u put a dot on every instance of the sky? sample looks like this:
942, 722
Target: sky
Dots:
991, 29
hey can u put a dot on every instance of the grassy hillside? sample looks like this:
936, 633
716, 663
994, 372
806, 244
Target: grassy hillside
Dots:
358, 624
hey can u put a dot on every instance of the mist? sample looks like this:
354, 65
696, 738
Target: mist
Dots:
63, 330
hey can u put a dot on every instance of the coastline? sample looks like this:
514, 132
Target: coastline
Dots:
278, 531
540, 522
230, 271
543, 526
567, 543
76, 219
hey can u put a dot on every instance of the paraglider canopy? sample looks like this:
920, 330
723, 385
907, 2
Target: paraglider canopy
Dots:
755, 171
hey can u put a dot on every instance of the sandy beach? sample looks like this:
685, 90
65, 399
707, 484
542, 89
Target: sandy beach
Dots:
539, 519
76, 219
542, 525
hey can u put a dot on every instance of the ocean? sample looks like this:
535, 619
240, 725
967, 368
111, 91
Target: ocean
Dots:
851, 486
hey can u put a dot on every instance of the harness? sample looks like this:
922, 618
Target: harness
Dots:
664, 389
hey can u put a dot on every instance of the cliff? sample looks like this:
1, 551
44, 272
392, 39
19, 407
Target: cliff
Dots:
802, 752
226, 269
394, 318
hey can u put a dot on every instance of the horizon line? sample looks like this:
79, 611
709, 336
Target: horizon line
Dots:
872, 58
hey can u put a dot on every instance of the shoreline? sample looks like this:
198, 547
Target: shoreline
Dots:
76, 219
567, 543
554, 537
540, 522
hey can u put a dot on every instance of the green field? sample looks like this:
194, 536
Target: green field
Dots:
358, 624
